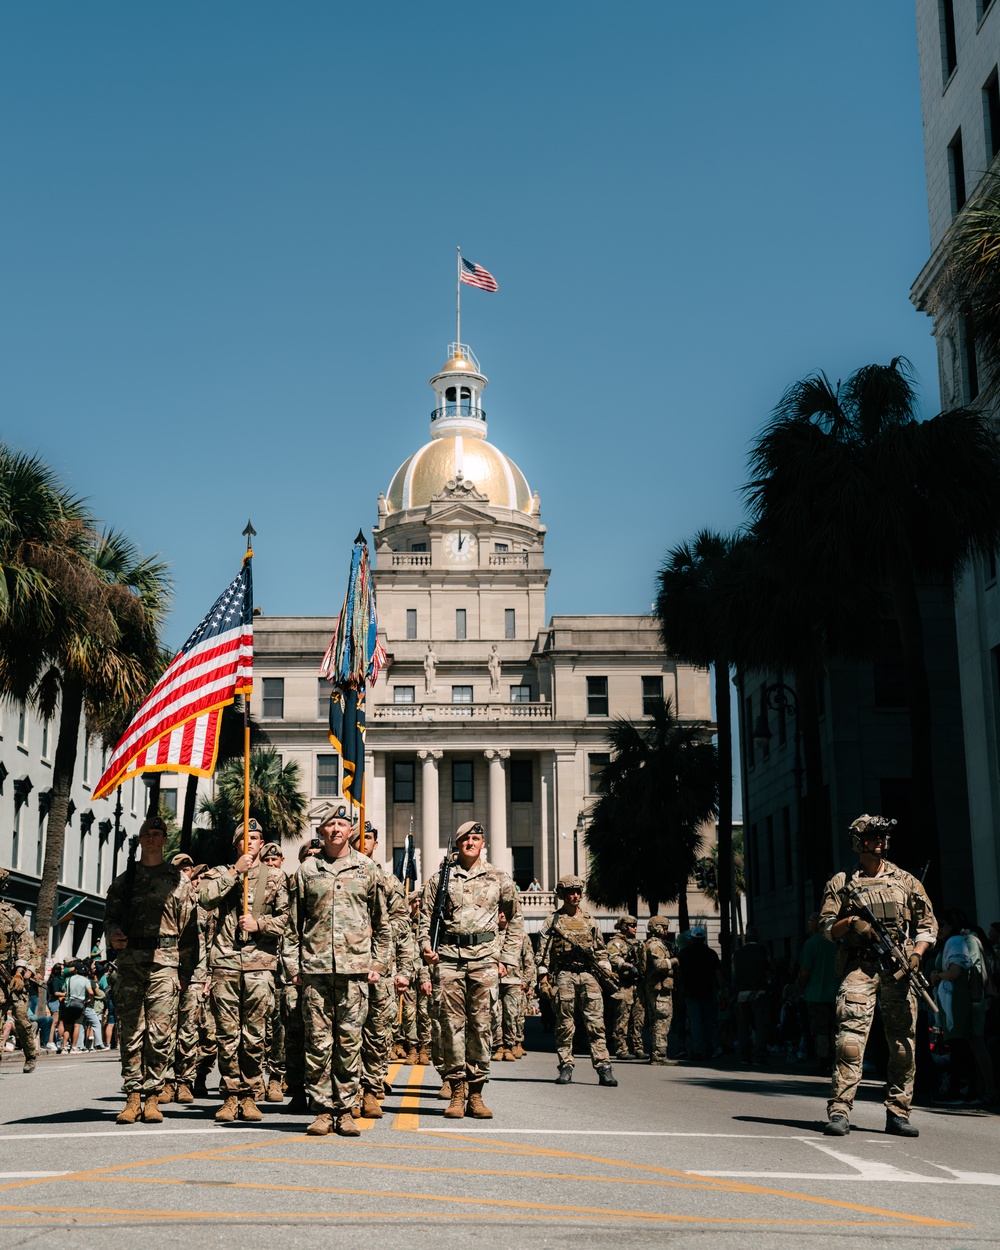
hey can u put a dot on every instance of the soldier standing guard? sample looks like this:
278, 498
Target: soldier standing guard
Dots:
191, 1011
150, 922
274, 1047
339, 943
900, 901
627, 1013
243, 960
17, 950
508, 1015
658, 967
472, 955
572, 950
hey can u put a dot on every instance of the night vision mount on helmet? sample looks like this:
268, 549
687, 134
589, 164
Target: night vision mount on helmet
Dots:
865, 826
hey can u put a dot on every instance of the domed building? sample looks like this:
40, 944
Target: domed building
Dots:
486, 709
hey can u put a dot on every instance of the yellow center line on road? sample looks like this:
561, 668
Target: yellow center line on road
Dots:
407, 1118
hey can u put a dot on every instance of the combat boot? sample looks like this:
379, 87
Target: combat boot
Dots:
475, 1105
565, 1074
249, 1109
166, 1094
370, 1107
838, 1126
299, 1103
346, 1126
151, 1113
900, 1126
229, 1110
274, 1091
455, 1110
133, 1106
29, 1064
398, 1050
411, 1055
519, 1051
424, 1055
498, 1053
445, 1090
605, 1076
386, 1088
184, 1092
322, 1125
639, 1054
508, 1056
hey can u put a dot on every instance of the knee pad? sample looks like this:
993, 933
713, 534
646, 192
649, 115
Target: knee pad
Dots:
849, 1048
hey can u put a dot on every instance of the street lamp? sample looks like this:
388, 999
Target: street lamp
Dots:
781, 698
581, 818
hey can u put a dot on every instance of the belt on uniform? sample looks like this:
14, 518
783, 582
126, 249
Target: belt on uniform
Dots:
165, 943
452, 938
564, 967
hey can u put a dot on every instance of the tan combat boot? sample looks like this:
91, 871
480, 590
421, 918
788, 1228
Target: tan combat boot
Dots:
411, 1055
519, 1051
184, 1093
445, 1090
131, 1110
249, 1109
346, 1126
229, 1110
424, 1055
398, 1050
498, 1053
167, 1093
322, 1125
476, 1107
370, 1107
151, 1113
509, 1056
455, 1110
274, 1091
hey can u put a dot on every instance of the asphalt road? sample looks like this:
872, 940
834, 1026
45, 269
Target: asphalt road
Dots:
690, 1156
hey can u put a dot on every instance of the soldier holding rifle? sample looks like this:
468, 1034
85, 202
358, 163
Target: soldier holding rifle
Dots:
17, 950
884, 922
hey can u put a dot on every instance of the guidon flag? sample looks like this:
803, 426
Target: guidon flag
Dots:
476, 275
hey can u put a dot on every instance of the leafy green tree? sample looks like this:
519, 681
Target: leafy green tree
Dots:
276, 799
658, 791
970, 281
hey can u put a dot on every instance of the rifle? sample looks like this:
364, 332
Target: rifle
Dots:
888, 953
606, 978
440, 901
130, 867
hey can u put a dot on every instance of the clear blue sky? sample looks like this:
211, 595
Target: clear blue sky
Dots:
229, 248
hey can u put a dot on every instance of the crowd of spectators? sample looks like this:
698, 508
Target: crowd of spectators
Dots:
73, 1008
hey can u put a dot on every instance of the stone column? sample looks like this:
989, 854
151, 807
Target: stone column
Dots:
496, 832
376, 810
568, 802
430, 817
546, 850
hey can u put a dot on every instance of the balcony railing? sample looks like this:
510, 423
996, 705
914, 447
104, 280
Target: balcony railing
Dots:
509, 560
411, 559
458, 410
461, 711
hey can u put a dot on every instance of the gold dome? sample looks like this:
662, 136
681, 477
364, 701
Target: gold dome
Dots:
459, 364
427, 471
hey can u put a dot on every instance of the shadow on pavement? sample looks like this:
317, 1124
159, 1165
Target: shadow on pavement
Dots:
808, 1126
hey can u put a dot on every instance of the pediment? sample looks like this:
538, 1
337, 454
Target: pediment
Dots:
448, 512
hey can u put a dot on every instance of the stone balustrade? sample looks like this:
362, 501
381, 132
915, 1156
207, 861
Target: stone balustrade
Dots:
461, 711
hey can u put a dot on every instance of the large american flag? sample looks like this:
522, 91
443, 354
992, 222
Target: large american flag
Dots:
177, 727
476, 275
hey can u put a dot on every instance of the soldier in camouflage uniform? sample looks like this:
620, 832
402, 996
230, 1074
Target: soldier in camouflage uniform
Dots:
193, 1006
508, 1015
571, 953
380, 1022
17, 953
471, 957
274, 1042
900, 901
627, 1008
155, 936
243, 960
658, 967
339, 943
414, 1031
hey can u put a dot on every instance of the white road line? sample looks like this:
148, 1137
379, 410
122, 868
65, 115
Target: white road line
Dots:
22, 1176
900, 1177
130, 1134
601, 1132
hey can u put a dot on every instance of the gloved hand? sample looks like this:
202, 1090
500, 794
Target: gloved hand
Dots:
914, 962
17, 983
862, 930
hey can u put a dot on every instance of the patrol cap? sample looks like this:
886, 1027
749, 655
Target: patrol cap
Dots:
199, 869
182, 860
470, 826
271, 848
152, 824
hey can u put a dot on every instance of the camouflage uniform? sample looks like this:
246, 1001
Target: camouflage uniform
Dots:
627, 1009
16, 946
193, 1009
242, 970
900, 900
161, 956
576, 986
380, 1022
657, 967
415, 1024
339, 932
467, 976
512, 1003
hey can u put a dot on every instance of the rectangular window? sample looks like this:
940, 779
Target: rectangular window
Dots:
765, 745
460, 624
86, 759
748, 742
597, 696
15, 850
404, 694
597, 762
501, 547
523, 864
956, 173
991, 115
418, 546
461, 694
274, 698
100, 864
509, 623
522, 781
970, 364
22, 725
461, 781
39, 853
323, 688
81, 863
327, 775
652, 694
45, 739
168, 802
949, 44
411, 622
786, 832
520, 694
402, 781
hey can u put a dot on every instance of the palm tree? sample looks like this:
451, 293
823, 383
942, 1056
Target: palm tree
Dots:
276, 799
692, 628
851, 485
659, 789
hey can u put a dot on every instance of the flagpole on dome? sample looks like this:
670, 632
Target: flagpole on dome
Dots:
250, 533
458, 299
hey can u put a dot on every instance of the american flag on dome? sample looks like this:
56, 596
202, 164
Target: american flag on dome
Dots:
476, 275
177, 727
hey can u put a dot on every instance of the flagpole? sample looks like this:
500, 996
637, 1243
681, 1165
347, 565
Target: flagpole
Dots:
458, 298
249, 532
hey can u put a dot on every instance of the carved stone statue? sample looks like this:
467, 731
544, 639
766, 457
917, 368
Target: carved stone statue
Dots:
494, 665
430, 668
